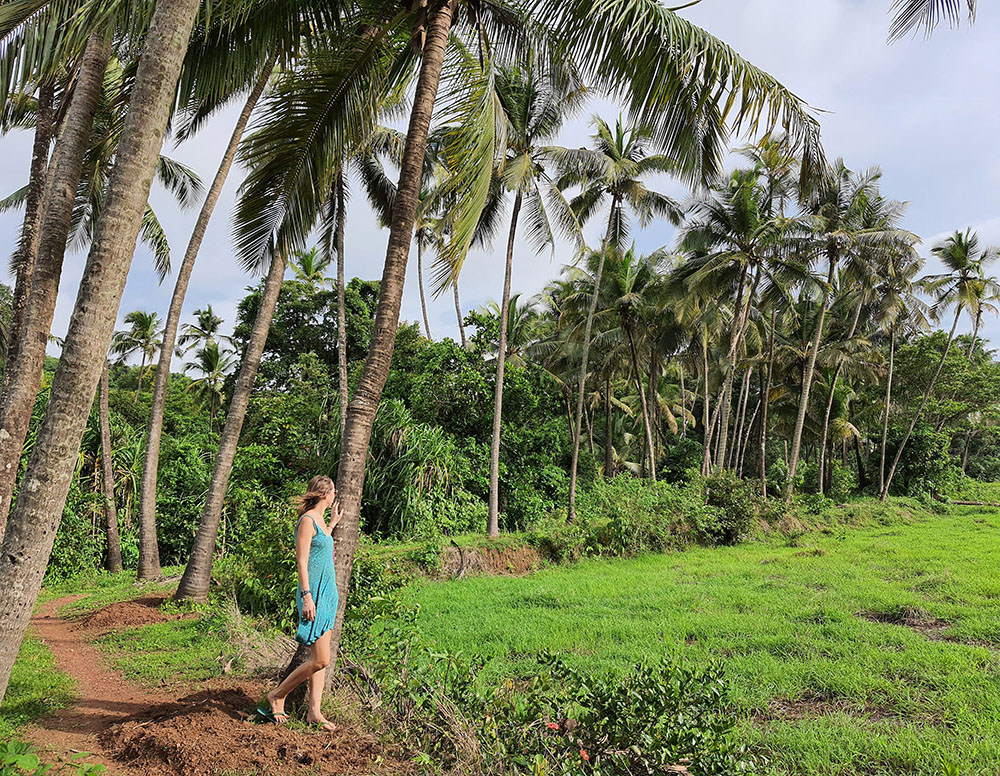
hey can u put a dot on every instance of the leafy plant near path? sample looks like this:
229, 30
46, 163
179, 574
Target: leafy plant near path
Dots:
19, 759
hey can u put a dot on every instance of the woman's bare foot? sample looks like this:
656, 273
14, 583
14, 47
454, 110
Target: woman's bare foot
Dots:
321, 721
277, 708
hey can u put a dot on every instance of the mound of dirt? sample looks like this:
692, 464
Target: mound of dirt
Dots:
128, 614
212, 732
501, 561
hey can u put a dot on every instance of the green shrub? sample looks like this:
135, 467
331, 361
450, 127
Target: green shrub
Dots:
20, 759
734, 505
678, 460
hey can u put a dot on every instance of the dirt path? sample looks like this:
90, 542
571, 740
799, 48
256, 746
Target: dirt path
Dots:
104, 698
139, 731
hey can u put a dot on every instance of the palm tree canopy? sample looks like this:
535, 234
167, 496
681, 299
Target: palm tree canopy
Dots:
910, 15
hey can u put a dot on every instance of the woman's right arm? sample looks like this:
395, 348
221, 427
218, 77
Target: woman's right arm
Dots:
303, 539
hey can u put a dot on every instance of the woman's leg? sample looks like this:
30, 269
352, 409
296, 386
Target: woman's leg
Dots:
317, 682
319, 659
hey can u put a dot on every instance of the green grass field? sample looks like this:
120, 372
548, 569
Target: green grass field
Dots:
821, 679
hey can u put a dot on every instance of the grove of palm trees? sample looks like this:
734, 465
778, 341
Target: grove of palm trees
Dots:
716, 497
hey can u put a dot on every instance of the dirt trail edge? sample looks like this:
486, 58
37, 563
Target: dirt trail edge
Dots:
136, 730
103, 697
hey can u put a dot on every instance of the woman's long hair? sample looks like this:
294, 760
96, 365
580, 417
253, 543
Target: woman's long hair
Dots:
319, 488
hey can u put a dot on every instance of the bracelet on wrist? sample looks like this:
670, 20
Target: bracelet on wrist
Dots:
306, 592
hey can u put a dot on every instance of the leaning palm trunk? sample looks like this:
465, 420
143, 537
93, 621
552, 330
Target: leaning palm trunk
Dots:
647, 425
684, 419
588, 329
920, 409
968, 355
727, 386
494, 510
338, 242
34, 209
609, 450
149, 555
114, 563
741, 417
420, 285
830, 400
766, 398
458, 313
198, 572
807, 377
35, 519
64, 175
364, 406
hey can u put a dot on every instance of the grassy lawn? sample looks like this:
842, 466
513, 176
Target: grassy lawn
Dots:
822, 679
36, 688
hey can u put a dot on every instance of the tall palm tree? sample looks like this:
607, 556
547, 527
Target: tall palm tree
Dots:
104, 130
839, 231
114, 561
213, 365
34, 520
962, 286
735, 239
532, 108
862, 284
23, 260
143, 336
149, 561
612, 172
65, 172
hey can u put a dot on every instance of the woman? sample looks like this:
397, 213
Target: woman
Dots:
316, 599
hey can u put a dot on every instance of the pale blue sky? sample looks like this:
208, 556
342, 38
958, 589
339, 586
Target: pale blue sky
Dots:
925, 111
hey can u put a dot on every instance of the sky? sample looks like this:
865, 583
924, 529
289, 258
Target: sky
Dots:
927, 112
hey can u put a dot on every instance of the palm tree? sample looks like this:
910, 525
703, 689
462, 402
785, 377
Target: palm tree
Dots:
310, 267
961, 287
204, 331
735, 239
144, 336
532, 111
114, 563
34, 520
213, 365
914, 14
23, 260
149, 561
611, 172
103, 127
839, 231
861, 279
426, 234
66, 170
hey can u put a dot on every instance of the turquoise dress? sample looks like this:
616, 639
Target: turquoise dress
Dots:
322, 585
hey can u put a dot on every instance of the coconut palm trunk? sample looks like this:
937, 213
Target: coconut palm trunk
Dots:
494, 503
647, 424
364, 406
64, 175
807, 377
968, 355
149, 556
727, 386
920, 409
114, 563
198, 572
35, 519
338, 243
420, 285
888, 400
609, 458
684, 419
706, 434
830, 399
34, 209
766, 398
588, 329
739, 420
458, 313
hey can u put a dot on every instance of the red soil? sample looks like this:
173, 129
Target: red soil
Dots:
136, 730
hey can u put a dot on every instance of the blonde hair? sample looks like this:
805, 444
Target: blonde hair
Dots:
319, 488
